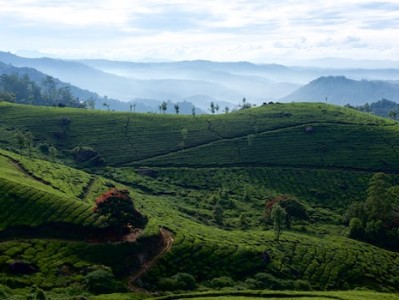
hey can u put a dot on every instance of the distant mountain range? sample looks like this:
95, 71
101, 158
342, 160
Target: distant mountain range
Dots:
198, 83
341, 90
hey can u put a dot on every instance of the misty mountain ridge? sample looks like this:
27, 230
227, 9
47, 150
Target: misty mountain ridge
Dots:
225, 83
341, 90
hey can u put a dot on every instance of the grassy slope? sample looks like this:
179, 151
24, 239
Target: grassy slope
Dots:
28, 200
283, 295
269, 135
205, 251
209, 252
36, 193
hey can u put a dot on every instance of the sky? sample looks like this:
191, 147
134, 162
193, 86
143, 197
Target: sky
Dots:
219, 30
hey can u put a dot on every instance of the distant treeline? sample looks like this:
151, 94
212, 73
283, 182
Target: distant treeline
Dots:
21, 89
383, 108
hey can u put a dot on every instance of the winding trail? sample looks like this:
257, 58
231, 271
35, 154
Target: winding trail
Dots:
167, 242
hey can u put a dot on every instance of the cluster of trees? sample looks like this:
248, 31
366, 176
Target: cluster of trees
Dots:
21, 89
383, 108
376, 220
281, 210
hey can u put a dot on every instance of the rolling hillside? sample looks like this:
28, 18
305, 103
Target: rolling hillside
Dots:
316, 135
178, 169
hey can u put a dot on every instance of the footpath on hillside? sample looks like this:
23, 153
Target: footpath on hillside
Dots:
167, 242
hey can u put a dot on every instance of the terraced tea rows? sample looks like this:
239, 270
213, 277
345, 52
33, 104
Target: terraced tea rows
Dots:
329, 146
325, 262
266, 135
28, 201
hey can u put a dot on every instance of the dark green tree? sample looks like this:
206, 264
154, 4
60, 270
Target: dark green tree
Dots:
177, 108
164, 106
278, 216
393, 114
218, 214
379, 200
29, 142
52, 152
212, 107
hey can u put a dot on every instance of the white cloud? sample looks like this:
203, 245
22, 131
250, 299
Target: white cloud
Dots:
209, 29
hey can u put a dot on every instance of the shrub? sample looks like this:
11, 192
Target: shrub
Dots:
44, 148
221, 282
268, 280
356, 230
4, 292
302, 285
102, 281
83, 154
36, 293
180, 281
253, 284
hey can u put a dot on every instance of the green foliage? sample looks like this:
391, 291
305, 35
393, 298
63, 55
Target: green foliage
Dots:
180, 281
21, 89
221, 282
356, 230
101, 280
117, 207
278, 216
378, 202
4, 292
218, 214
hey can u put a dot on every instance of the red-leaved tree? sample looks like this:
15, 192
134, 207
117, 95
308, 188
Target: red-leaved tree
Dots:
117, 207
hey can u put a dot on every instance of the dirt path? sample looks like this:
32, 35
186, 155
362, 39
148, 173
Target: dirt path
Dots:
167, 239
87, 189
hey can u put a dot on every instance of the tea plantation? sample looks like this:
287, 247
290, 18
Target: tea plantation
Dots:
179, 170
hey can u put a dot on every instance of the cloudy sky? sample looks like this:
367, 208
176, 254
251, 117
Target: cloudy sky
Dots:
222, 30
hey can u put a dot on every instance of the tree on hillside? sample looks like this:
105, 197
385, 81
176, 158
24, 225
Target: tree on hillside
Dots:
193, 111
212, 107
164, 106
23, 88
393, 114
25, 140
176, 106
52, 152
293, 207
218, 214
217, 108
117, 207
49, 88
20, 140
226, 109
7, 96
379, 200
106, 105
29, 142
245, 104
278, 215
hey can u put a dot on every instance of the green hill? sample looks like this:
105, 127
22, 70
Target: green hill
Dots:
289, 134
178, 169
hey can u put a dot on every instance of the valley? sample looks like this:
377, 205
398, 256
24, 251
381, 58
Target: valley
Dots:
205, 183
